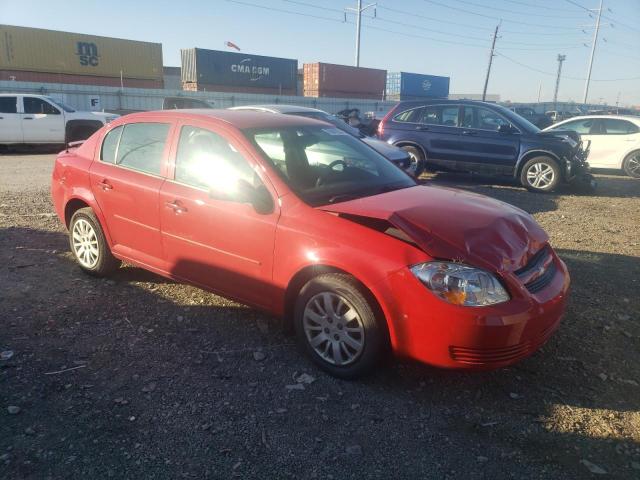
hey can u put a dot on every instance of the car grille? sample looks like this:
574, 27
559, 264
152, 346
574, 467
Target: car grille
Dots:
488, 356
538, 272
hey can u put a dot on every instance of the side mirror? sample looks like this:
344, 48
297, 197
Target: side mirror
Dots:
507, 128
259, 197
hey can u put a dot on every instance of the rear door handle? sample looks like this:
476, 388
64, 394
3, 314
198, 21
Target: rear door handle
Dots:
468, 132
422, 128
105, 185
176, 206
27, 118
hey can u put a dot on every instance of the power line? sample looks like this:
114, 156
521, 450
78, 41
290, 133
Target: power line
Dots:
282, 10
539, 6
529, 67
513, 11
305, 4
604, 16
505, 20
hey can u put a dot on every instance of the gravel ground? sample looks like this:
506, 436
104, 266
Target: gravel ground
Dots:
139, 377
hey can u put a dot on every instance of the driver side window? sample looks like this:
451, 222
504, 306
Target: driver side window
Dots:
207, 160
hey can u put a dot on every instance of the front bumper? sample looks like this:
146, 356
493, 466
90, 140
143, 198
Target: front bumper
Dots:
435, 332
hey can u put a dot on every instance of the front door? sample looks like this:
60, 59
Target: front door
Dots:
218, 243
10, 121
42, 122
126, 180
484, 148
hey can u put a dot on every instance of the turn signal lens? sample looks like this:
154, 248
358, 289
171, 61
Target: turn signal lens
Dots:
461, 284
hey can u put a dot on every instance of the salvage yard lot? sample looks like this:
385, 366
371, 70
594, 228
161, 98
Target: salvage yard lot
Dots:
139, 377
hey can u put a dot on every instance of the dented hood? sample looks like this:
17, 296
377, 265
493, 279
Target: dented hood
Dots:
455, 225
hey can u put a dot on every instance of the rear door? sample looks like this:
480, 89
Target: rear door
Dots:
483, 147
42, 122
619, 137
125, 178
435, 128
220, 244
10, 120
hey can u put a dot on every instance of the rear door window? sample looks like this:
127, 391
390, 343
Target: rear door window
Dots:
483, 119
409, 116
8, 104
110, 145
446, 115
585, 126
613, 126
36, 106
141, 147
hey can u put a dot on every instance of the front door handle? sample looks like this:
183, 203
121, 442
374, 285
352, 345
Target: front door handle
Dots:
422, 128
27, 118
105, 185
176, 206
468, 132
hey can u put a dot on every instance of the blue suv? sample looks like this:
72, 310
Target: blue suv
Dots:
486, 138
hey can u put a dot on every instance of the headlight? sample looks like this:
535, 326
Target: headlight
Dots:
461, 284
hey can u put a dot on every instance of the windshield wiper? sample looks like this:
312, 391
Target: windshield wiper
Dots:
343, 197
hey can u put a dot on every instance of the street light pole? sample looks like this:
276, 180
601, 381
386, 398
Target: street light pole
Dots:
593, 51
358, 11
561, 58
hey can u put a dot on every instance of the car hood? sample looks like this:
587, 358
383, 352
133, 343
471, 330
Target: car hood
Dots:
384, 149
451, 224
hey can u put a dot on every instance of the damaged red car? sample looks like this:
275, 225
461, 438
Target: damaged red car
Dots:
297, 218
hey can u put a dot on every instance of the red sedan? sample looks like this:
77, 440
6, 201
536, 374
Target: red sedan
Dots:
293, 216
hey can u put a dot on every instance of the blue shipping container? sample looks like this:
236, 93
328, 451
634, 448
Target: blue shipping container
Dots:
414, 85
237, 69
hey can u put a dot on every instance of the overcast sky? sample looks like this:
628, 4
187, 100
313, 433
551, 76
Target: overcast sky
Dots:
440, 37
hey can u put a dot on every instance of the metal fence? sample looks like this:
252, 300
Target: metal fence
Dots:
138, 99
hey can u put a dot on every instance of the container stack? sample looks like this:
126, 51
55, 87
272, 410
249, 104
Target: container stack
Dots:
341, 81
415, 86
48, 56
219, 71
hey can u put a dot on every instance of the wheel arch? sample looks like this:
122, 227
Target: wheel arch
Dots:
411, 143
75, 203
525, 157
305, 274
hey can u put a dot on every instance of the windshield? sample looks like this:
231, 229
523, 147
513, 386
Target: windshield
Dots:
333, 120
62, 105
326, 165
522, 123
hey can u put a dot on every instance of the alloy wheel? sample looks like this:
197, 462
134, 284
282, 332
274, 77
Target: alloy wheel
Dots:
85, 243
633, 166
333, 328
540, 175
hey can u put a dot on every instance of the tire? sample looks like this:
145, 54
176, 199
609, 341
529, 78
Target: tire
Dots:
631, 164
418, 161
540, 174
345, 348
89, 246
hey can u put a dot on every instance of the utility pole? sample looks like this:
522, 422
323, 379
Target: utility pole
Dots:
539, 91
358, 11
491, 55
561, 58
593, 51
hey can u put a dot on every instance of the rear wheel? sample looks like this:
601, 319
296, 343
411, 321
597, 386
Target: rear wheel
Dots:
631, 164
338, 326
540, 174
417, 161
89, 245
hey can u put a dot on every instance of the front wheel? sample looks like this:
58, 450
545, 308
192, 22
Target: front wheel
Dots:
631, 164
89, 245
417, 162
338, 326
540, 174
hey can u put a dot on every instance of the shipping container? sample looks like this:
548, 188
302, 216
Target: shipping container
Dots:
409, 86
25, 49
208, 87
42, 77
342, 81
231, 69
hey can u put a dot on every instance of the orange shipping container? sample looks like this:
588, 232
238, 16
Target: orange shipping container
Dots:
326, 79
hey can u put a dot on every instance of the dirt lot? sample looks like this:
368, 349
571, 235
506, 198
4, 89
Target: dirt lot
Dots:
139, 377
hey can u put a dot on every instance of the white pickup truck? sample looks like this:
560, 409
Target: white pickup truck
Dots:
38, 119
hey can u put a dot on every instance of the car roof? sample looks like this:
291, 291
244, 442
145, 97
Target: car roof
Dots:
437, 101
631, 118
279, 108
241, 119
